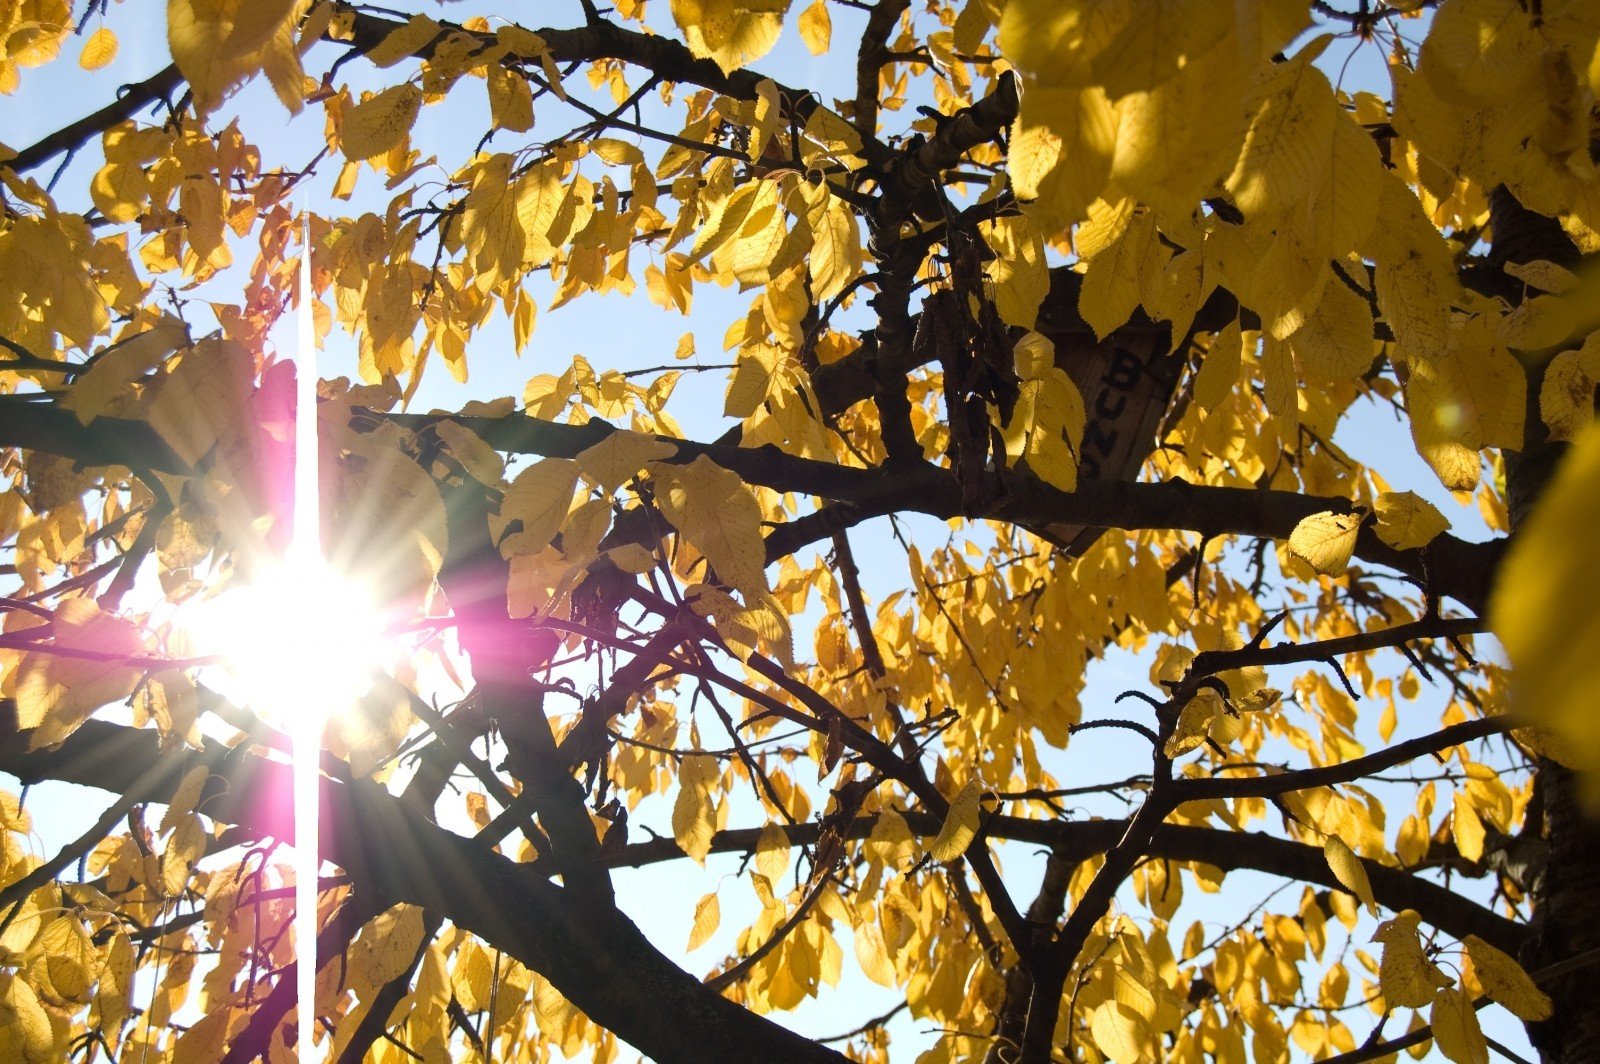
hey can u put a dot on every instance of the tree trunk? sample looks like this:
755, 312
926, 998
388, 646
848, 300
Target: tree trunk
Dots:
1566, 900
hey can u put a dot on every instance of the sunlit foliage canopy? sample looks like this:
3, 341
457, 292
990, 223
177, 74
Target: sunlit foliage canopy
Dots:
1056, 328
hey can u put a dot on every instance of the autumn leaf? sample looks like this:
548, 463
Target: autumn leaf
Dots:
716, 512
1405, 975
380, 122
1407, 521
707, 915
1455, 1028
1546, 604
1504, 980
1325, 541
99, 50
960, 825
1348, 870
539, 498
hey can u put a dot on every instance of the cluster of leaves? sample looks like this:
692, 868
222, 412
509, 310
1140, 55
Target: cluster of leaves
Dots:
1046, 268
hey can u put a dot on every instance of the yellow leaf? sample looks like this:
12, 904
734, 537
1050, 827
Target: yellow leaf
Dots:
960, 825
540, 497
1112, 281
632, 558
1546, 604
380, 123
205, 399
816, 27
772, 852
404, 41
1287, 147
1467, 827
185, 798
1194, 722
613, 461
1062, 145
751, 381
1405, 975
476, 457
1406, 520
768, 116
1504, 980
114, 994
56, 693
1544, 275
872, 954
1159, 41
1348, 870
71, 960
717, 513
185, 846
99, 50
1021, 280
114, 371
206, 1039
387, 945
1121, 1033
216, 43
694, 818
1478, 52
1334, 343
1219, 368
1325, 541
707, 915
835, 258
1566, 395
26, 1035
1455, 1028
730, 32
510, 99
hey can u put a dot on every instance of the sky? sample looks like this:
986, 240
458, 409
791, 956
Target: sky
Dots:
614, 332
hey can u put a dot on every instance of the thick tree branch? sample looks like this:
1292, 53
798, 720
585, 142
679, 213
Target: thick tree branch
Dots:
594, 956
70, 138
1447, 566
1345, 771
1226, 849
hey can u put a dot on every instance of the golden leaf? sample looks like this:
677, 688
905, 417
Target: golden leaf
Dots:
404, 41
615, 460
1405, 975
1455, 1028
99, 50
467, 447
694, 818
1546, 604
707, 915
873, 955
717, 513
540, 498
1326, 541
380, 122
1504, 980
1348, 870
387, 945
960, 825
1406, 520
816, 27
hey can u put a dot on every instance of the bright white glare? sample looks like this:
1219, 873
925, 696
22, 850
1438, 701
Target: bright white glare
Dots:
299, 641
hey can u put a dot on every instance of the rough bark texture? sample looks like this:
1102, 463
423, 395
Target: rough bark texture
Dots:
1568, 897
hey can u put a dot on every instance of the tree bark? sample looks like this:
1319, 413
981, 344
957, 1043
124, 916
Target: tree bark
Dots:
1567, 898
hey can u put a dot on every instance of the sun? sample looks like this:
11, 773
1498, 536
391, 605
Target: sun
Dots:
297, 643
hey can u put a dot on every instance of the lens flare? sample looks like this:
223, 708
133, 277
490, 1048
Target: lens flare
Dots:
299, 640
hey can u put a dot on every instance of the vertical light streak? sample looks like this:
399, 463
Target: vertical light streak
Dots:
305, 722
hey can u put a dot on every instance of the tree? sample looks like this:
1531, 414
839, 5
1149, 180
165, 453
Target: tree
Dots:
1044, 269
